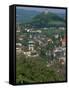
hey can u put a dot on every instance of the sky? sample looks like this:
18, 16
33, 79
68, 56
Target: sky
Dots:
43, 9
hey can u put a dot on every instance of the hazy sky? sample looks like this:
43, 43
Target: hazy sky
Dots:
43, 9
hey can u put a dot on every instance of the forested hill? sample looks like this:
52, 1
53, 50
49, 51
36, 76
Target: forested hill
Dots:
47, 19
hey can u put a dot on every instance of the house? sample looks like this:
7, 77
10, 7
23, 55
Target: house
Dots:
18, 47
39, 31
18, 44
50, 40
62, 28
20, 38
59, 53
62, 60
18, 30
45, 28
36, 31
28, 30
28, 53
18, 50
30, 36
63, 41
56, 36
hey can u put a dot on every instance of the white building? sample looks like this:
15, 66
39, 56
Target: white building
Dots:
18, 44
56, 36
18, 50
31, 45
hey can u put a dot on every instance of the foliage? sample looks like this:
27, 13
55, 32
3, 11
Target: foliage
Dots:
35, 70
47, 20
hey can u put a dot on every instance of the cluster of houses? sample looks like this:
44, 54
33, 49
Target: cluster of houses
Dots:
28, 50
35, 36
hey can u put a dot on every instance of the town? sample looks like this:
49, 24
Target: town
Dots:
45, 42
40, 45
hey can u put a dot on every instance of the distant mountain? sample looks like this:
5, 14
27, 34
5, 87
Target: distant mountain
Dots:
24, 16
47, 19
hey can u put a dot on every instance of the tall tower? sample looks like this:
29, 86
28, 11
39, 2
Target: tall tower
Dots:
31, 45
18, 28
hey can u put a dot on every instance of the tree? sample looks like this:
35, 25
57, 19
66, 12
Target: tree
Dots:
50, 48
42, 52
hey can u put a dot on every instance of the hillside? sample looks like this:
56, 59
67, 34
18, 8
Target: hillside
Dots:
49, 19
